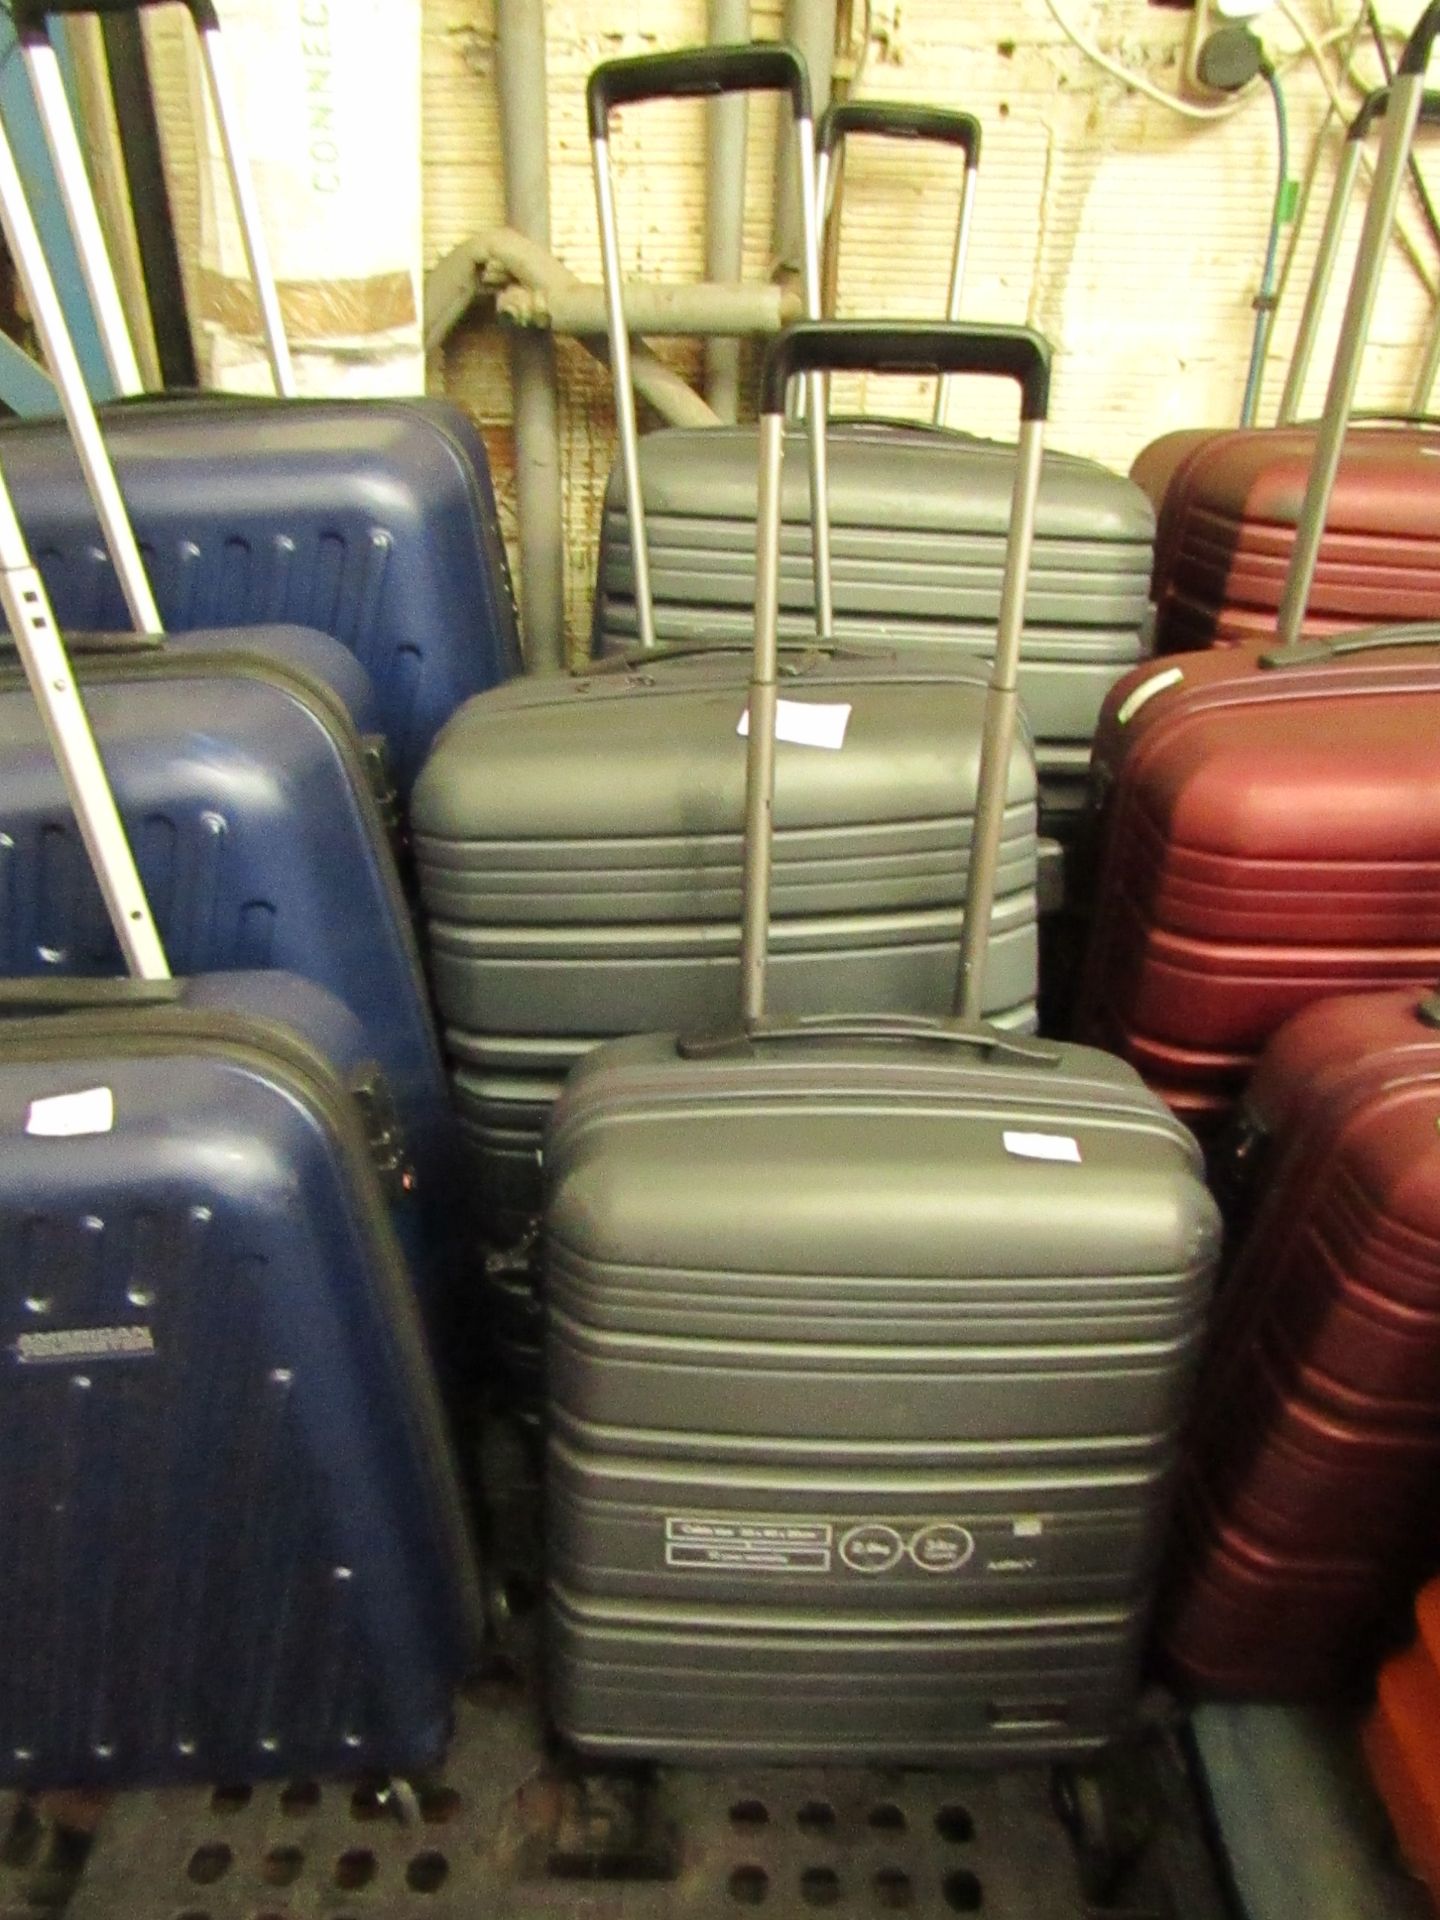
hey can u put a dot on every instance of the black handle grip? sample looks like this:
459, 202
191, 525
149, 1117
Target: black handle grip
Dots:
1313, 653
896, 120
1373, 109
757, 66
22, 999
862, 346
30, 16
1416, 57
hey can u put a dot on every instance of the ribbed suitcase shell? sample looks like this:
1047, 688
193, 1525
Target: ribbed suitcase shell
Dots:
233, 1534
242, 779
1266, 838
374, 521
918, 522
1315, 1449
1402, 1742
864, 1447
579, 855
1227, 506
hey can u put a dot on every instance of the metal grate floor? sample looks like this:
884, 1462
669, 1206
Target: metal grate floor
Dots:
507, 1830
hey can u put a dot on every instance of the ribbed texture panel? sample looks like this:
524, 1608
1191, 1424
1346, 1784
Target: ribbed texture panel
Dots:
168, 1587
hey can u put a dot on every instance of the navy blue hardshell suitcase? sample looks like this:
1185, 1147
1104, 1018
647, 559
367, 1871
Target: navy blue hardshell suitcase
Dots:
234, 1538
246, 791
374, 522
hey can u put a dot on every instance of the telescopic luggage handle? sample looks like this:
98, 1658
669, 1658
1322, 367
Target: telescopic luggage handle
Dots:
703, 72
898, 120
1372, 109
59, 350
1402, 116
52, 681
30, 18
1012, 353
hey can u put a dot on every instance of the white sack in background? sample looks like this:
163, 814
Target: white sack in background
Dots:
330, 94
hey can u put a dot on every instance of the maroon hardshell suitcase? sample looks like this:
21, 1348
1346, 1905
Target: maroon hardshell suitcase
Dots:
1267, 834
1228, 501
1311, 1501
1226, 530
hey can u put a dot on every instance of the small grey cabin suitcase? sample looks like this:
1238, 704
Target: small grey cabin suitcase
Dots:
867, 1337
916, 536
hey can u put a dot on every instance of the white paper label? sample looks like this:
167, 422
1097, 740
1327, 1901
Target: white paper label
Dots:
1043, 1146
805, 725
1147, 690
61, 1116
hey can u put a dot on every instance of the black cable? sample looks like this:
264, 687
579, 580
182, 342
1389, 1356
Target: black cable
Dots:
1387, 67
1265, 297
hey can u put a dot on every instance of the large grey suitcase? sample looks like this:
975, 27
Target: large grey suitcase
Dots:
916, 550
579, 853
868, 1338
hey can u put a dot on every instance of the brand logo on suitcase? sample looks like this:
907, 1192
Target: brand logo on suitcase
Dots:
83, 1343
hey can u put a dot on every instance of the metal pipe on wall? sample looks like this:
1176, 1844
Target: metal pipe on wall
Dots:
810, 26
521, 79
500, 255
727, 124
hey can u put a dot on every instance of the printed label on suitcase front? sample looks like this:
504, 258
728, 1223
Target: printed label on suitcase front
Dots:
57, 1345
750, 1546
805, 724
868, 1548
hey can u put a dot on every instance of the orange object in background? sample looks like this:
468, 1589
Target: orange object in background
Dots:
1402, 1743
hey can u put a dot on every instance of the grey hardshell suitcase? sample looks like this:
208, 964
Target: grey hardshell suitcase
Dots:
579, 844
868, 1338
916, 548
579, 853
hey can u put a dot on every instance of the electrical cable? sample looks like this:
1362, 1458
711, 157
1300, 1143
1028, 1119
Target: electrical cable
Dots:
1138, 81
1265, 298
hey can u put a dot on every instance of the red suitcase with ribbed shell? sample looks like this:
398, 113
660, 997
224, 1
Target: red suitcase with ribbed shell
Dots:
1267, 835
1312, 1484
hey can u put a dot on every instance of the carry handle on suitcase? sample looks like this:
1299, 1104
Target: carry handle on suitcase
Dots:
30, 18
1338, 646
898, 120
759, 67
1372, 109
1402, 116
1012, 353
28, 254
47, 668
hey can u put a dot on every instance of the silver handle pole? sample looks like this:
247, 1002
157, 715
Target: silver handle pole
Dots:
1002, 707
49, 317
42, 652
1425, 384
625, 419
43, 67
816, 423
764, 699
957, 280
1401, 116
1320, 278
247, 207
